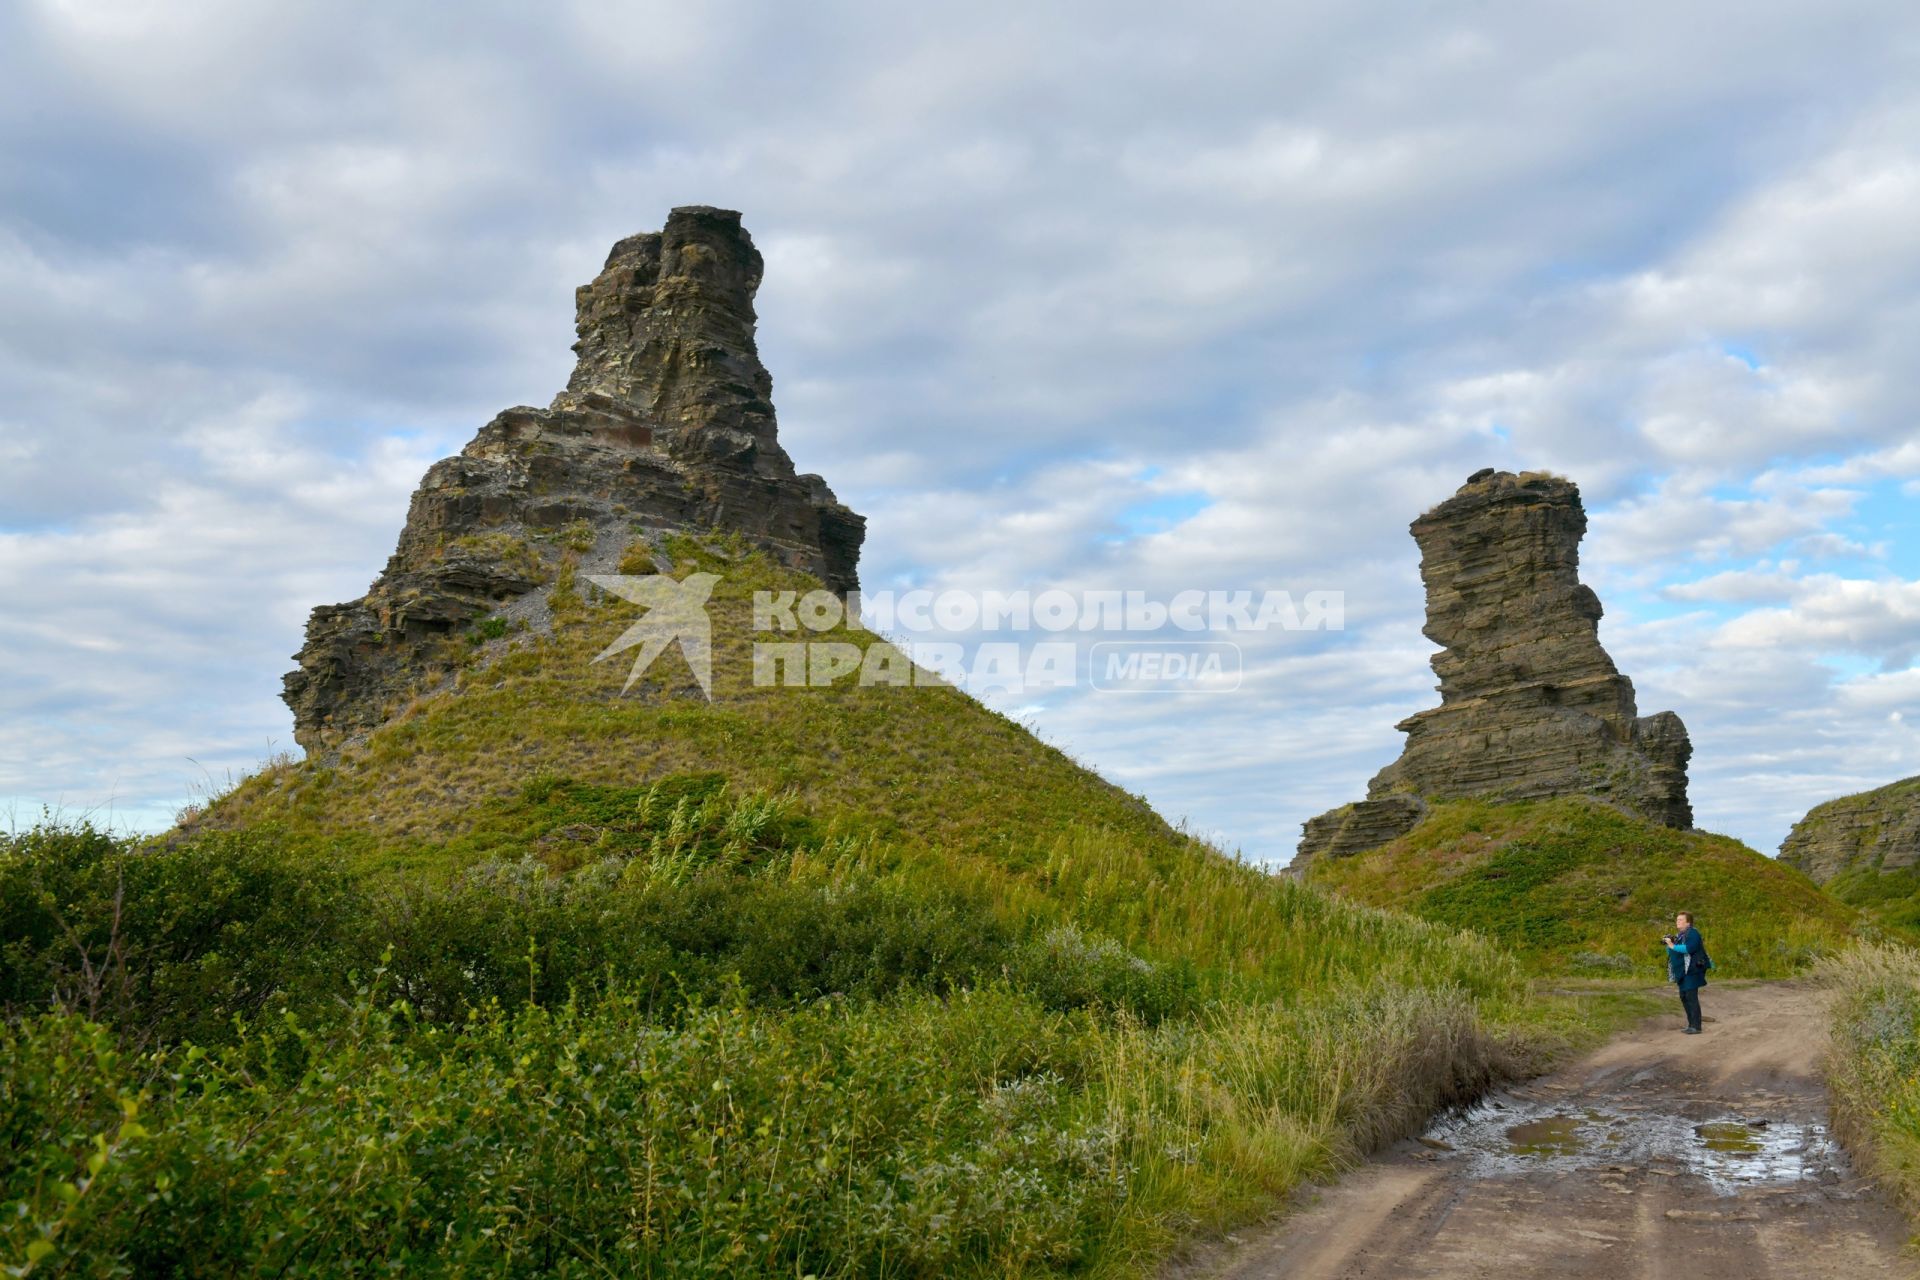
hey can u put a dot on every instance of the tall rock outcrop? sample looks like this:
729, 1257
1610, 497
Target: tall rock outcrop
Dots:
666, 424
1877, 831
1530, 705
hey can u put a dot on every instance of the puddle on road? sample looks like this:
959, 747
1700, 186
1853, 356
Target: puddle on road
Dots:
1733, 1137
1515, 1135
1550, 1136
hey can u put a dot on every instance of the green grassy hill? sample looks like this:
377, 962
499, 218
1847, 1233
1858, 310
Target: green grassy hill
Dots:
1891, 899
1575, 885
537, 754
497, 764
541, 980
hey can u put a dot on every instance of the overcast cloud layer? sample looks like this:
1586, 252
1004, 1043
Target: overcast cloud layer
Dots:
1108, 296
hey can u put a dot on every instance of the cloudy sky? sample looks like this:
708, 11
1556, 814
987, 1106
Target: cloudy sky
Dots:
1100, 295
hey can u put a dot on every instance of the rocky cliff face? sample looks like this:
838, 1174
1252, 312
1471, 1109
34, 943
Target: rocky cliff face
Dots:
1530, 704
1875, 831
666, 424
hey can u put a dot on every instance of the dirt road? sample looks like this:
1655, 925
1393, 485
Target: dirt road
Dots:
1660, 1155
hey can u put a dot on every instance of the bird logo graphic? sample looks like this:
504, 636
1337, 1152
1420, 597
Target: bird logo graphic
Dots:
676, 611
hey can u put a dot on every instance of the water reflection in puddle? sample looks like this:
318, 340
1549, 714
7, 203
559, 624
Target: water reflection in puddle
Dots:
1513, 1135
1549, 1136
1732, 1137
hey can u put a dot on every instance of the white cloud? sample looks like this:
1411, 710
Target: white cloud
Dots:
1879, 619
1743, 586
1029, 271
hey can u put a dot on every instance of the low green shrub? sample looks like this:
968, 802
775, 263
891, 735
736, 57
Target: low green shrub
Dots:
171, 943
508, 932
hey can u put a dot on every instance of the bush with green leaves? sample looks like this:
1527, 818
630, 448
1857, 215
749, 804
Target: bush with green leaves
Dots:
170, 943
514, 931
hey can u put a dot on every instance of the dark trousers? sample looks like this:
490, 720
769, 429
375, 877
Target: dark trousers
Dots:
1690, 1001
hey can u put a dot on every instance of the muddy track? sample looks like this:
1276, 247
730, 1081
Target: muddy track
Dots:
1660, 1155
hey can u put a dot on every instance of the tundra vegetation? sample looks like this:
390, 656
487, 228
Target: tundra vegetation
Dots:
727, 1046
539, 980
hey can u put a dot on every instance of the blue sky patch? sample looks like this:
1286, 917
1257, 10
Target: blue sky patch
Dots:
1158, 514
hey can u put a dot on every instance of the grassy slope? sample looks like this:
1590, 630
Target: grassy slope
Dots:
1890, 898
1576, 885
539, 753
446, 782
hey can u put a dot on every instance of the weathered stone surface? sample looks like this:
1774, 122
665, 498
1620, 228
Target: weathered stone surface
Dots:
1362, 825
1876, 830
666, 424
1531, 706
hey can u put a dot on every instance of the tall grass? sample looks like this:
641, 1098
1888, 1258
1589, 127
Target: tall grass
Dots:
978, 1135
792, 1056
1873, 1065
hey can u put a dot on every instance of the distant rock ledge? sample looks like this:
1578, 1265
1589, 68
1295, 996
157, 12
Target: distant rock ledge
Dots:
1531, 706
1876, 831
666, 424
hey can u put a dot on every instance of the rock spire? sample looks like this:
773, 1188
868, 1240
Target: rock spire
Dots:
1531, 706
666, 424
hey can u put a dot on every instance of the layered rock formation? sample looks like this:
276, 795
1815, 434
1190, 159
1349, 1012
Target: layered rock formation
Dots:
1875, 831
666, 424
1530, 705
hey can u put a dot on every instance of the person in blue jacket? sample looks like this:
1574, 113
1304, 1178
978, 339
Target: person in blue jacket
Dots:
1687, 965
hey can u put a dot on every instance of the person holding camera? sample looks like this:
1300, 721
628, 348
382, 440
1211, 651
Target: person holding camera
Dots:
1687, 965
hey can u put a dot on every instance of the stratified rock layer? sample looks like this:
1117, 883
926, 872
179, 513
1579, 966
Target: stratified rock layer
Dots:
666, 424
1530, 705
1876, 831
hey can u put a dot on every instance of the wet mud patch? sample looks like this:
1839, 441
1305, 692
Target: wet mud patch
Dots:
1510, 1134
1547, 1136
